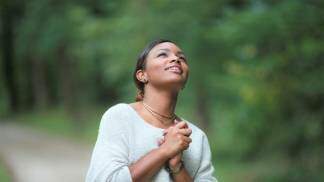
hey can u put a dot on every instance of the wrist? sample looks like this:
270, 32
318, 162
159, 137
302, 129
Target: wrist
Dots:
175, 169
163, 152
174, 164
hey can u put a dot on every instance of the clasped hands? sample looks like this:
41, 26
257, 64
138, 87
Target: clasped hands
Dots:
176, 139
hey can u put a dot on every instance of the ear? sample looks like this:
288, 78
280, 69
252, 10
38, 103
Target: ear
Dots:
141, 76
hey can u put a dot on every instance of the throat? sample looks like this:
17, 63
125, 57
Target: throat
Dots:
163, 120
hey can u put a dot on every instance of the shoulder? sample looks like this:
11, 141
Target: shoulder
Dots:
119, 111
197, 133
115, 116
115, 109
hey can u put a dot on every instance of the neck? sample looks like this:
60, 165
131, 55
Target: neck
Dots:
162, 101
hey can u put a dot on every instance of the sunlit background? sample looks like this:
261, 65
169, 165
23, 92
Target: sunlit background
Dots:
256, 81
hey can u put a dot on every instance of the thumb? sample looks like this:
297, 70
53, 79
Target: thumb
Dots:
175, 122
165, 131
160, 141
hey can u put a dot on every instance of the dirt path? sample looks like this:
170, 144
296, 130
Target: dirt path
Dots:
34, 156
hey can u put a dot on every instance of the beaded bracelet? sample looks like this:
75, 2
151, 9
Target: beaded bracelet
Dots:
175, 171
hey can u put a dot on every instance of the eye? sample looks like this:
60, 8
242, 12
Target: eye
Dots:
183, 58
162, 54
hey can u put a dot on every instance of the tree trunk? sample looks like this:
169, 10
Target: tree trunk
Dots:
202, 107
7, 41
68, 91
39, 83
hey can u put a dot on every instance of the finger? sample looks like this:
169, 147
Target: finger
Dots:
165, 131
187, 139
175, 122
186, 144
184, 139
161, 141
185, 131
182, 124
186, 147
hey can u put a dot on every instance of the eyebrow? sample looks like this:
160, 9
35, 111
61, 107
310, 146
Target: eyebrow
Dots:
168, 50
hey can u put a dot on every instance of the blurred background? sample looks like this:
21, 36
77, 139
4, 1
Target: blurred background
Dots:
256, 81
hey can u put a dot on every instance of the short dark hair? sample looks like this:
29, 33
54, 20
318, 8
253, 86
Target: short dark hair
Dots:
141, 64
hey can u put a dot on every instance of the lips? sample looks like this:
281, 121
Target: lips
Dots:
175, 69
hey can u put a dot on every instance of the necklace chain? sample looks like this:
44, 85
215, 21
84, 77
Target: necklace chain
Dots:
155, 114
168, 117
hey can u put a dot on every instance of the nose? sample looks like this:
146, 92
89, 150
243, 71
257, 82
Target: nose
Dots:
175, 59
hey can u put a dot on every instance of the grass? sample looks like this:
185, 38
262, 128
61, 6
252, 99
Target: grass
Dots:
4, 174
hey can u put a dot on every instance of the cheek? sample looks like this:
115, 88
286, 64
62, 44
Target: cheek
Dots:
186, 68
155, 70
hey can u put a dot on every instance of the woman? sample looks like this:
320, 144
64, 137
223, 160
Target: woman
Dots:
145, 140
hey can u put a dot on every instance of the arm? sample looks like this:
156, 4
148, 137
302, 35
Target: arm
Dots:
206, 169
182, 175
148, 165
109, 161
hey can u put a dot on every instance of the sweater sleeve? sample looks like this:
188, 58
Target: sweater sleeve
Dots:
206, 169
109, 161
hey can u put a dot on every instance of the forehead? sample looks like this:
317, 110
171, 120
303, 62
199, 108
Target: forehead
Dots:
166, 46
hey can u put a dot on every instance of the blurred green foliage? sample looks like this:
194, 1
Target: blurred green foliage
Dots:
4, 174
256, 71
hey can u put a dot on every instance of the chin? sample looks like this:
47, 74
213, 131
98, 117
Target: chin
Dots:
175, 84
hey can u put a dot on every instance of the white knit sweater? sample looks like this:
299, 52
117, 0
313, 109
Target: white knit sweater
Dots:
124, 137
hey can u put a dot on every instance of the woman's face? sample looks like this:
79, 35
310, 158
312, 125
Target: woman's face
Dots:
166, 66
